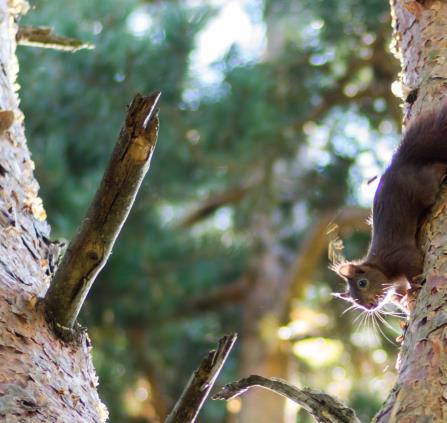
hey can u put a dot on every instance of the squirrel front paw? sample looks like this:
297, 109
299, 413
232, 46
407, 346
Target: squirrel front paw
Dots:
417, 281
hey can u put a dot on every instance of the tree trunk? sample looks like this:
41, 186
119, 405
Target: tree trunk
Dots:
42, 379
420, 393
261, 352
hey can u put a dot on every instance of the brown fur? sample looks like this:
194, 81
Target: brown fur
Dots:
405, 193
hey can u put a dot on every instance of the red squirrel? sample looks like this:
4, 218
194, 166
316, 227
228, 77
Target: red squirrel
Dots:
405, 193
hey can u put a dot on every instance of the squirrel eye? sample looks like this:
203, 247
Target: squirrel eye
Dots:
362, 283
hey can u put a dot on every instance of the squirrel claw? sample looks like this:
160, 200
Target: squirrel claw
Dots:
417, 281
400, 339
414, 290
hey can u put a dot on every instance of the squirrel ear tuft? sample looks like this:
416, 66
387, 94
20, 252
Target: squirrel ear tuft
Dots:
347, 270
360, 270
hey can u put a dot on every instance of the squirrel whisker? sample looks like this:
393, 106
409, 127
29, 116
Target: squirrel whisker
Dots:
354, 306
381, 330
383, 320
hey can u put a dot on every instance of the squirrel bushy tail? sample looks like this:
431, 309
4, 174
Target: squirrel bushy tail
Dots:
425, 141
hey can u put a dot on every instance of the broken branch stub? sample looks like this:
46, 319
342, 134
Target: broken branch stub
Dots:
43, 37
199, 386
91, 246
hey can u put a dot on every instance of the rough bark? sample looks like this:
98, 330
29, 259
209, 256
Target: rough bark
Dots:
41, 378
420, 393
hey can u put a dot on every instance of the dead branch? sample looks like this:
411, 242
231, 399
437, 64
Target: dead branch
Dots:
190, 402
43, 37
90, 248
322, 407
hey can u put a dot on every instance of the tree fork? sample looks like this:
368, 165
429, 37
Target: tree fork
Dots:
91, 246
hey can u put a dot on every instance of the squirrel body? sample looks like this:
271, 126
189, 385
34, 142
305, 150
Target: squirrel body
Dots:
406, 191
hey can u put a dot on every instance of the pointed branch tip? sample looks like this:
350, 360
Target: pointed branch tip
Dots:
154, 97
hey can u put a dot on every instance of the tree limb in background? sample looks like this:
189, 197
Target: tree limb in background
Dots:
90, 248
43, 37
151, 369
228, 294
190, 402
231, 196
323, 407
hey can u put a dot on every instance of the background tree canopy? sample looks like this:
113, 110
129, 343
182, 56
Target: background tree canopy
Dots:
287, 124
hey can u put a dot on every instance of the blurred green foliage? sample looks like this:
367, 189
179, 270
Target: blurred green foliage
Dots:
301, 125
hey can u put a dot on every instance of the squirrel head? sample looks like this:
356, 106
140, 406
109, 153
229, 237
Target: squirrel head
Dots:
367, 285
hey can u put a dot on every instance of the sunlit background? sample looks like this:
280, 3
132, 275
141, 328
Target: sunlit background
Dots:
275, 117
